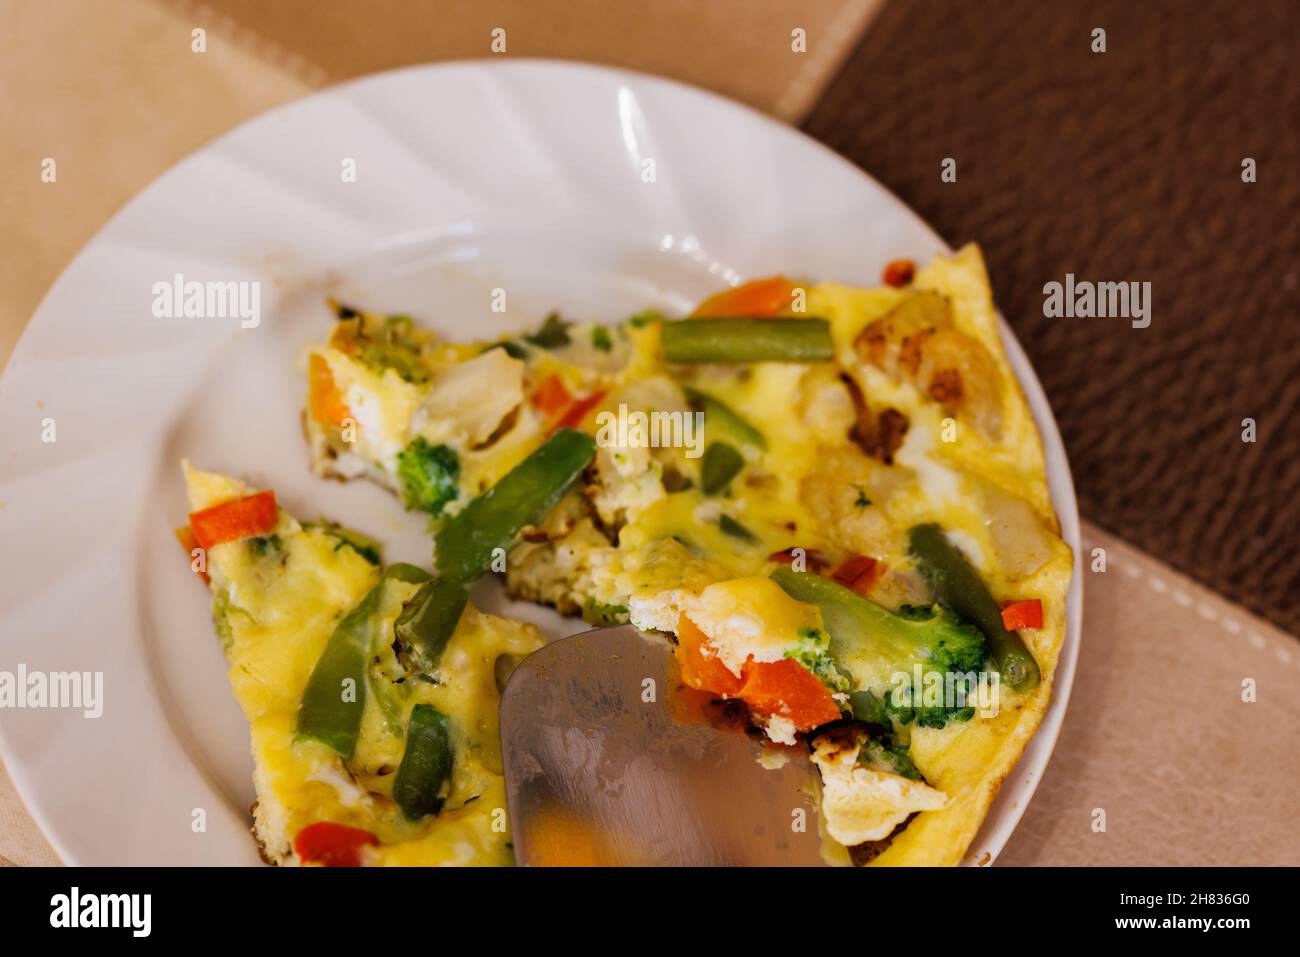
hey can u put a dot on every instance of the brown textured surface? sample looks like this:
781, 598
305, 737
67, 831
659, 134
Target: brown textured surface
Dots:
1123, 166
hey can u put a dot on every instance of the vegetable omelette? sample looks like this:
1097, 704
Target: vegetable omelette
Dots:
833, 498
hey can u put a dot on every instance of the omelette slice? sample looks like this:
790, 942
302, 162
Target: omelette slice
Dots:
834, 498
439, 423
355, 760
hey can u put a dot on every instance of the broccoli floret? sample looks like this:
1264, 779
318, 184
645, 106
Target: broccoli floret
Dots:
899, 705
812, 651
886, 754
885, 652
951, 643
428, 474
950, 661
887, 747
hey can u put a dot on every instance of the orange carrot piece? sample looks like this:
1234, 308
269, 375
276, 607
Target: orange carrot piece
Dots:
1023, 614
700, 671
758, 297
233, 520
784, 688
788, 689
551, 398
579, 411
323, 396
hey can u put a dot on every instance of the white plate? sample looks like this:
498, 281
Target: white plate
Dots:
526, 176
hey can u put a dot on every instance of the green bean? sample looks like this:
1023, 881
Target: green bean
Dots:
956, 584
525, 496
721, 464
427, 622
335, 697
729, 526
743, 339
424, 776
719, 417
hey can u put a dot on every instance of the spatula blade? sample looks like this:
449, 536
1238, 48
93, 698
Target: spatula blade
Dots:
608, 762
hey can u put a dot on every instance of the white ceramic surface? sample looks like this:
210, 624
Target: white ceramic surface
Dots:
522, 175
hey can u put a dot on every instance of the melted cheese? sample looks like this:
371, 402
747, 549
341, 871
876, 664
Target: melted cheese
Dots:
751, 618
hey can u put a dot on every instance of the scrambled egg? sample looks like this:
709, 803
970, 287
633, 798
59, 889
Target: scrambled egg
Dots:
861, 804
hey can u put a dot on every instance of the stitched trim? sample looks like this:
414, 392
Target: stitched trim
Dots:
845, 28
249, 40
1232, 621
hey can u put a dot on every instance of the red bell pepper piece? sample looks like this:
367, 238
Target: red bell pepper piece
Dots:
333, 845
858, 574
814, 561
1023, 614
899, 273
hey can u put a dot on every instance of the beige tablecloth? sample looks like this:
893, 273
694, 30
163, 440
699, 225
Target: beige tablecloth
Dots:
1157, 735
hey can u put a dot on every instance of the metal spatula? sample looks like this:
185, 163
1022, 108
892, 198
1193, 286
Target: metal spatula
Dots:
609, 761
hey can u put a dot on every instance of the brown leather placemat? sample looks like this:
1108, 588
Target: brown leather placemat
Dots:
1118, 166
